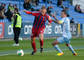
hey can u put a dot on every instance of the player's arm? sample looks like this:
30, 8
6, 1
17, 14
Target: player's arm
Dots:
49, 20
28, 12
57, 21
32, 13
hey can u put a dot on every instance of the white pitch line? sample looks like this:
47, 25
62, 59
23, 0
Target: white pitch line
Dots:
4, 54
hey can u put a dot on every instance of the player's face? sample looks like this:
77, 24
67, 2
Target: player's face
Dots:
43, 11
63, 14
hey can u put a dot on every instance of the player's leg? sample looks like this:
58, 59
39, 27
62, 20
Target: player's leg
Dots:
67, 41
71, 49
33, 45
41, 42
55, 44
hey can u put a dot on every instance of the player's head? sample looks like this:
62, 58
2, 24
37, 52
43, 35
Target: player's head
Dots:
43, 10
16, 10
63, 13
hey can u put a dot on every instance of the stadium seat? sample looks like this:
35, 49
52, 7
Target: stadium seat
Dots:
77, 16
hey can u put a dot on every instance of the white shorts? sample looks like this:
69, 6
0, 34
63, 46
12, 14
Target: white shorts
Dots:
63, 40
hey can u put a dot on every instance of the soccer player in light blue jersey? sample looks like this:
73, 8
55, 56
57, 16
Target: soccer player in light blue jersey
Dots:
66, 35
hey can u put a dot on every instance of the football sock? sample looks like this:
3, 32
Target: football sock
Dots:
70, 47
58, 49
41, 50
34, 46
41, 43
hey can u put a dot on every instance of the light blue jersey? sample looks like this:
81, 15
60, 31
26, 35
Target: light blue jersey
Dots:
66, 35
66, 28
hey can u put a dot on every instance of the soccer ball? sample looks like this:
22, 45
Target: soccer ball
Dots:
20, 52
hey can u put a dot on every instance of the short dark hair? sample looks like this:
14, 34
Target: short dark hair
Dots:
65, 13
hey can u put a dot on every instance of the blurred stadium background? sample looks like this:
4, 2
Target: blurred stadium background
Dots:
76, 17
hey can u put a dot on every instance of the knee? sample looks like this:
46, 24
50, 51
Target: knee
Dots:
54, 43
41, 39
67, 44
41, 36
32, 39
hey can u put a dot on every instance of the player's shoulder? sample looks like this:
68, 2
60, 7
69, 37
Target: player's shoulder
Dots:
66, 19
47, 15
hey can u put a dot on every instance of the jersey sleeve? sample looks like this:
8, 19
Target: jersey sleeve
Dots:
49, 19
33, 13
28, 12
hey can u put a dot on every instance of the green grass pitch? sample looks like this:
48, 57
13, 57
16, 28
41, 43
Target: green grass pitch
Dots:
8, 52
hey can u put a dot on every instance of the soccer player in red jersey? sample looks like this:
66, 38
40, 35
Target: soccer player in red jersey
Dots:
38, 27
